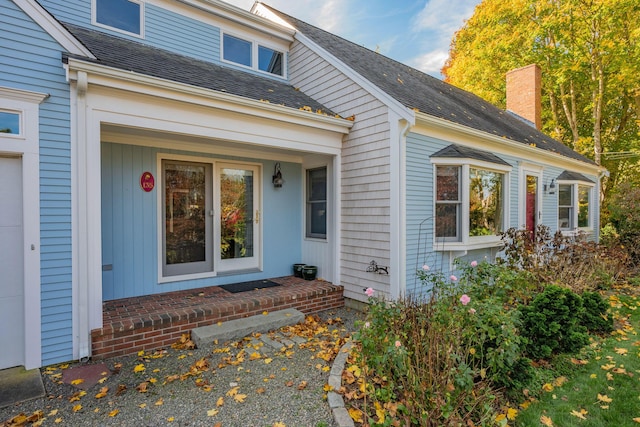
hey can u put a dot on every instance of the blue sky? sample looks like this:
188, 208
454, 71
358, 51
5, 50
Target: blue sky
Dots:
415, 32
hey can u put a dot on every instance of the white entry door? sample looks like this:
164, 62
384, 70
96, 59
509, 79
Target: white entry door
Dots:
11, 264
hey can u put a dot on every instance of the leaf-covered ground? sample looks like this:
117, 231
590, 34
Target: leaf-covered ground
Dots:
243, 383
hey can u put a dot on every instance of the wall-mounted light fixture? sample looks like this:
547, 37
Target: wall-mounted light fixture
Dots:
552, 187
277, 176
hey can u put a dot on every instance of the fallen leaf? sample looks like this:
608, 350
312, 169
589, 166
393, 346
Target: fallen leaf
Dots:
233, 391
546, 421
512, 414
114, 412
547, 387
121, 389
77, 395
212, 412
279, 424
171, 419
261, 390
142, 405
103, 392
77, 407
53, 412
143, 387
604, 398
77, 381
57, 420
621, 351
302, 385
159, 402
356, 415
580, 414
139, 368
220, 402
240, 398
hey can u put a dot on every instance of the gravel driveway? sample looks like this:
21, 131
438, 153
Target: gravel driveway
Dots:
276, 379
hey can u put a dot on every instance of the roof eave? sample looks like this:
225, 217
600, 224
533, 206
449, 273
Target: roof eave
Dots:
534, 152
132, 81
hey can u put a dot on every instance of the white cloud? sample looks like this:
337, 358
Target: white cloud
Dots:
430, 62
444, 16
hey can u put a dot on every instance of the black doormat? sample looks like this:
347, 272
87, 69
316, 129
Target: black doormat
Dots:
249, 286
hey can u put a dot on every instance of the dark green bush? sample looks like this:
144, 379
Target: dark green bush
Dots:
552, 323
595, 317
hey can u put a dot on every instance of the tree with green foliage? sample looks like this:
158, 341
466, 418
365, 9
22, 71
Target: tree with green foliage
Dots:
589, 53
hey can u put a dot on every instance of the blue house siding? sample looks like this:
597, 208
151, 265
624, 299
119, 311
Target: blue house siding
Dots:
30, 59
129, 224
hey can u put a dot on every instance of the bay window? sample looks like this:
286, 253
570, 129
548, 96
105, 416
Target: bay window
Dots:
252, 55
470, 203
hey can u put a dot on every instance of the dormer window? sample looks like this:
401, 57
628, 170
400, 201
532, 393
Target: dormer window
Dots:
252, 54
121, 15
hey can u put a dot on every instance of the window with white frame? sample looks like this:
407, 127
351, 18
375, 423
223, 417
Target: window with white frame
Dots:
121, 15
574, 205
316, 223
470, 202
252, 54
10, 123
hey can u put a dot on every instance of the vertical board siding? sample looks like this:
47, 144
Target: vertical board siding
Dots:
130, 225
31, 60
365, 191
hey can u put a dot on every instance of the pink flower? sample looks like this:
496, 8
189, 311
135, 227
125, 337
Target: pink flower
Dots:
426, 267
367, 324
472, 310
453, 278
474, 263
369, 292
398, 344
464, 299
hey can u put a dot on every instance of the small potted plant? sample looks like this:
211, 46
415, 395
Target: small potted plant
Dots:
297, 269
309, 272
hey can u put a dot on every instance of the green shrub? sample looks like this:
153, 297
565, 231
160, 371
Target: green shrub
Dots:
551, 323
594, 317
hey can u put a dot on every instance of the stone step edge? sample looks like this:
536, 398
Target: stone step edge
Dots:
239, 328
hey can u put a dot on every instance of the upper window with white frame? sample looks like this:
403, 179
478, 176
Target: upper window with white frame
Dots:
120, 15
470, 197
10, 123
252, 54
575, 193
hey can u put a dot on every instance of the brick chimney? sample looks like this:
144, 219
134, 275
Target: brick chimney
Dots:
524, 93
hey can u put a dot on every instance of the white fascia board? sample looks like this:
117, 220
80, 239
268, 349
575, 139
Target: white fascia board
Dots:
456, 133
243, 17
259, 9
148, 85
395, 106
53, 27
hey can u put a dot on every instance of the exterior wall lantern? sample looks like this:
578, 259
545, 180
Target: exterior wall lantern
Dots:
552, 187
277, 176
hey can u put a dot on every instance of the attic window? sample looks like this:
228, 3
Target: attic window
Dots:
120, 15
253, 55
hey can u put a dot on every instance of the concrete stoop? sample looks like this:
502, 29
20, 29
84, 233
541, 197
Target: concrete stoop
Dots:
236, 329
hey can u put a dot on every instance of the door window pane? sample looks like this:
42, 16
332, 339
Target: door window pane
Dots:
269, 60
485, 202
185, 205
121, 14
237, 50
9, 123
236, 217
531, 202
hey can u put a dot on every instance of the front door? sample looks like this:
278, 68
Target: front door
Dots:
11, 264
531, 203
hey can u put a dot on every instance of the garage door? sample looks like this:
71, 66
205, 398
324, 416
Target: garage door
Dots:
11, 263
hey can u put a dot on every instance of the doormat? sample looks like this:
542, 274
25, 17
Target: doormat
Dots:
18, 385
234, 288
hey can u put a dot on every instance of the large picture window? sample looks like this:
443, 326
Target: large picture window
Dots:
121, 15
470, 204
316, 223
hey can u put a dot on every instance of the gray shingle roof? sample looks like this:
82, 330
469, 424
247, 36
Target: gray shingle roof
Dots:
573, 176
417, 90
455, 151
140, 58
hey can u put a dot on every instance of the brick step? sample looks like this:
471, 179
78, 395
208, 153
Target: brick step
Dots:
240, 328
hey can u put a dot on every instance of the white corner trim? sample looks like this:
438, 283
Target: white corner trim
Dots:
43, 18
